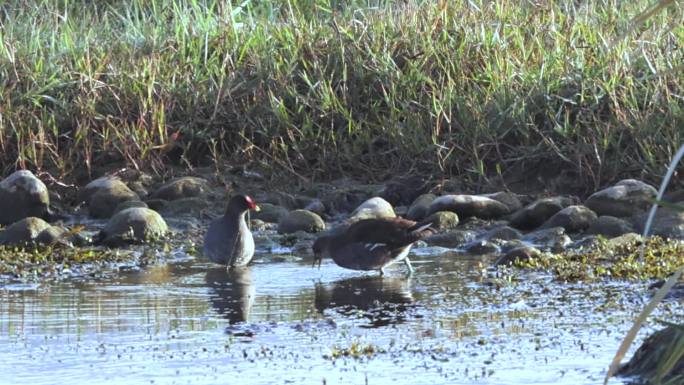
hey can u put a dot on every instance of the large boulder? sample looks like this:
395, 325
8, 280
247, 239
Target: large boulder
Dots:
420, 206
572, 218
184, 187
373, 208
404, 190
504, 233
539, 211
301, 220
133, 225
668, 223
610, 226
451, 239
29, 230
22, 195
511, 200
442, 220
104, 194
521, 254
626, 198
270, 213
469, 206
646, 365
553, 238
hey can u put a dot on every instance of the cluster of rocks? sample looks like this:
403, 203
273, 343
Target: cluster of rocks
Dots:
26, 212
506, 224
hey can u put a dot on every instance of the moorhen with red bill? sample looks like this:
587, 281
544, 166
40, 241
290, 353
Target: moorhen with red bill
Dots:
228, 240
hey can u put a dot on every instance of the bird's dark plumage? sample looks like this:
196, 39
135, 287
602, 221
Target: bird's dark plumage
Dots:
372, 244
228, 240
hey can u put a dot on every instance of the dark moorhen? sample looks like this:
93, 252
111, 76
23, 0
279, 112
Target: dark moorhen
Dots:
228, 240
372, 244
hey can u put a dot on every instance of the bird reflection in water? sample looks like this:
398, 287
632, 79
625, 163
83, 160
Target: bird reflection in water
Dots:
232, 292
382, 300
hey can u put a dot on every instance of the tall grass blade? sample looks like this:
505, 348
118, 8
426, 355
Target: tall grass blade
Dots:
666, 365
648, 309
668, 175
642, 17
629, 338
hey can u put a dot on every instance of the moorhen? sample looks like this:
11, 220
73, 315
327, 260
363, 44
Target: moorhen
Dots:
228, 240
372, 244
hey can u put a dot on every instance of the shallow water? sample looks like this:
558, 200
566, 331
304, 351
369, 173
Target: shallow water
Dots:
190, 322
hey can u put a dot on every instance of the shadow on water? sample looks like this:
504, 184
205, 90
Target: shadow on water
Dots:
382, 300
232, 292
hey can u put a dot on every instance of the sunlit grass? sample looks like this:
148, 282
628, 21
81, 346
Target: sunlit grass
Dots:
467, 87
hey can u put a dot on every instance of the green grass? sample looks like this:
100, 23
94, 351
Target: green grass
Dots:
477, 89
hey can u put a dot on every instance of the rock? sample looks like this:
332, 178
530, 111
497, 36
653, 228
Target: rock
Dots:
505, 233
591, 242
138, 187
674, 196
156, 204
625, 240
270, 213
451, 239
647, 361
507, 246
400, 211
301, 220
22, 195
184, 187
511, 200
316, 206
30, 229
375, 207
404, 190
572, 218
346, 196
128, 204
191, 206
469, 206
538, 212
51, 235
667, 223
104, 194
419, 208
133, 225
442, 220
609, 226
520, 254
482, 247
626, 198
259, 225
553, 238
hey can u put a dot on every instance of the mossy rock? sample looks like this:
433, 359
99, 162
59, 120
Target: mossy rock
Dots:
133, 225
30, 230
301, 220
22, 195
184, 187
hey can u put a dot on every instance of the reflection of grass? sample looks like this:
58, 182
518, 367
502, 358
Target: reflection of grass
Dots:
470, 87
661, 258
